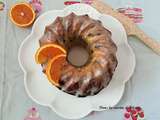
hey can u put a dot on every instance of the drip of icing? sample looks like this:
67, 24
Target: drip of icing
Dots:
70, 82
87, 78
93, 90
102, 62
78, 93
97, 72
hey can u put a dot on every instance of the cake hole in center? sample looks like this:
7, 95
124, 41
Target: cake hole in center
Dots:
78, 56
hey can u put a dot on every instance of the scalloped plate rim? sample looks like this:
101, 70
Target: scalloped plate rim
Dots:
25, 72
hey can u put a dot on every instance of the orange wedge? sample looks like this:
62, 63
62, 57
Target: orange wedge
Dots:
22, 14
54, 67
47, 52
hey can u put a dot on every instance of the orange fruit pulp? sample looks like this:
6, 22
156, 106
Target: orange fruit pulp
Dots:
54, 67
22, 14
47, 52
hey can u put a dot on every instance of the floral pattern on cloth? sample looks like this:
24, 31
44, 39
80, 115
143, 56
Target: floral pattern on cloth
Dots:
37, 6
2, 5
75, 2
133, 113
32, 114
133, 13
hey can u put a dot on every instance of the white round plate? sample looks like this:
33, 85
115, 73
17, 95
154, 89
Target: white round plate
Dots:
65, 105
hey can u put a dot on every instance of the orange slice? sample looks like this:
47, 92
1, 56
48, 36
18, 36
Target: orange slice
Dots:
47, 52
54, 67
22, 14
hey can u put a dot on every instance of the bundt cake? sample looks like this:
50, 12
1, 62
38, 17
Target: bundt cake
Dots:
82, 30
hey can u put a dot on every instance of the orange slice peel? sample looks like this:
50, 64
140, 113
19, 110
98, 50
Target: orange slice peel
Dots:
54, 67
22, 14
47, 52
